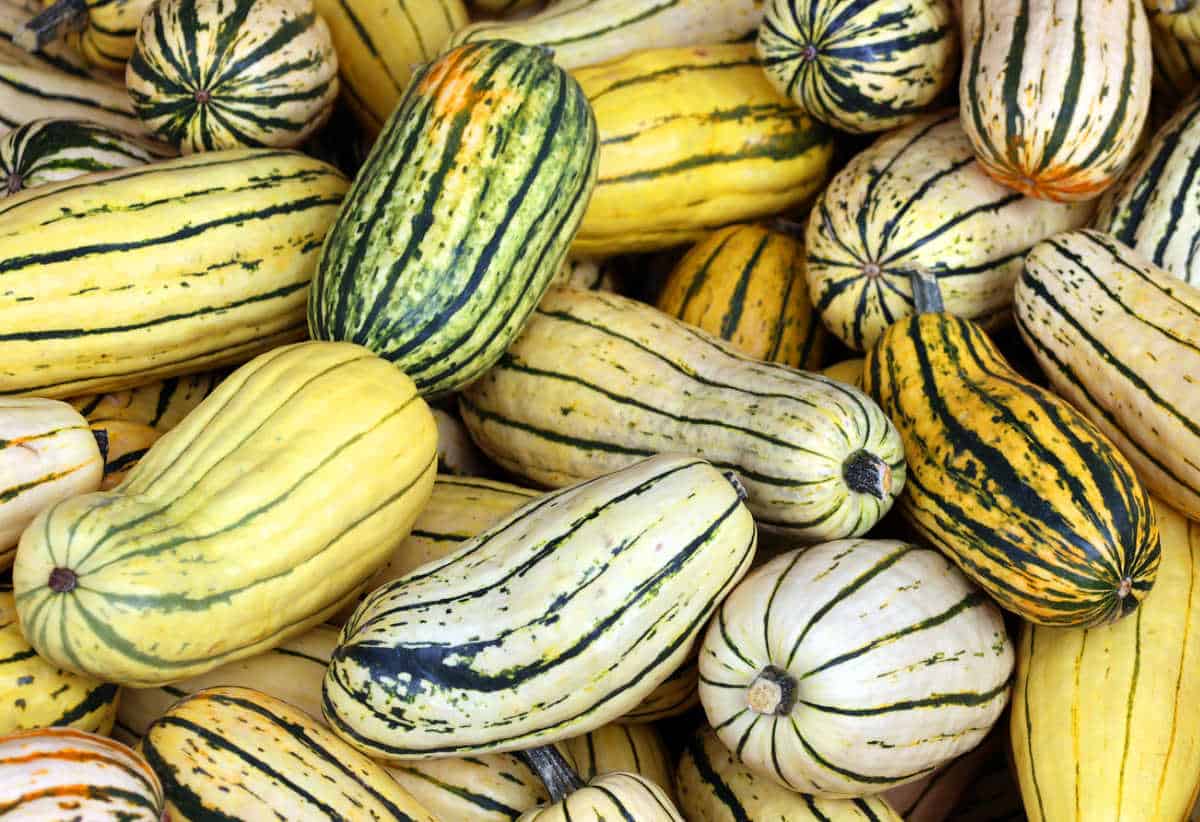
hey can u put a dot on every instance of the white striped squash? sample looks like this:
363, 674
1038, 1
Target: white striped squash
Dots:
39, 92
50, 773
208, 75
918, 199
1054, 94
49, 151
854, 666
677, 694
624, 796
620, 748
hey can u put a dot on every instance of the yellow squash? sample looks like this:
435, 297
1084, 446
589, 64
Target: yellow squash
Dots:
161, 405
123, 443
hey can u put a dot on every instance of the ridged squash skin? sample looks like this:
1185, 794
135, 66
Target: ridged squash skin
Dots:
161, 404
612, 796
620, 748
39, 92
47, 454
1054, 94
49, 151
861, 67
1118, 338
853, 667
746, 285
715, 787
107, 38
1105, 723
14, 15
917, 198
155, 581
461, 216
617, 381
49, 773
587, 32
207, 75
703, 120
677, 694
1030, 499
211, 269
1155, 208
466, 655
235, 753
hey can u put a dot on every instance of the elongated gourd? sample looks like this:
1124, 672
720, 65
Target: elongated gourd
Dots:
1054, 94
854, 666
617, 381
1030, 499
703, 120
454, 228
587, 32
49, 151
161, 404
1118, 337
918, 199
677, 694
235, 753
39, 92
715, 787
191, 264
1131, 748
467, 655
160, 580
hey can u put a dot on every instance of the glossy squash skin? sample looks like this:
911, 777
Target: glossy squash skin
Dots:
480, 788
39, 92
251, 465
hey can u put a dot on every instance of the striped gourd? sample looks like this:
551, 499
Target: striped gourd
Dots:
1054, 94
587, 32
620, 748
1179, 17
47, 454
15, 15
715, 787
162, 404
207, 75
379, 42
235, 753
1155, 208
612, 796
122, 443
191, 263
66, 774
705, 121
102, 31
36, 93
854, 666
152, 582
617, 381
35, 694
677, 694
483, 788
932, 798
848, 371
1120, 340
453, 230
467, 655
1176, 68
50, 151
292, 671
917, 199
1106, 721
746, 285
1020, 489
457, 454
861, 67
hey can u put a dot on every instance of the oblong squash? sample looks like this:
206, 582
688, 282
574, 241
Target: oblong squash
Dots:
191, 263
918, 199
617, 381
482, 788
102, 31
677, 694
1054, 95
161, 405
1105, 721
467, 656
15, 16
705, 121
457, 454
49, 151
39, 92
158, 580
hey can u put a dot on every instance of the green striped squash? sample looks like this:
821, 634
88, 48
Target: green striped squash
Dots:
161, 404
1120, 340
102, 31
1054, 95
47, 454
15, 15
469, 655
207, 75
152, 582
598, 381
191, 264
918, 199
1155, 208
715, 787
234, 753
35, 694
453, 229
854, 667
1106, 721
1029, 498
483, 788
746, 285
50, 151
587, 32
37, 93
66, 774
612, 796
861, 67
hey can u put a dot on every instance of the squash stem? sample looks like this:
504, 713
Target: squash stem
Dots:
63, 16
773, 691
927, 294
865, 473
558, 777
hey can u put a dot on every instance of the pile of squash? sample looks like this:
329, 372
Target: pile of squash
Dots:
708, 410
